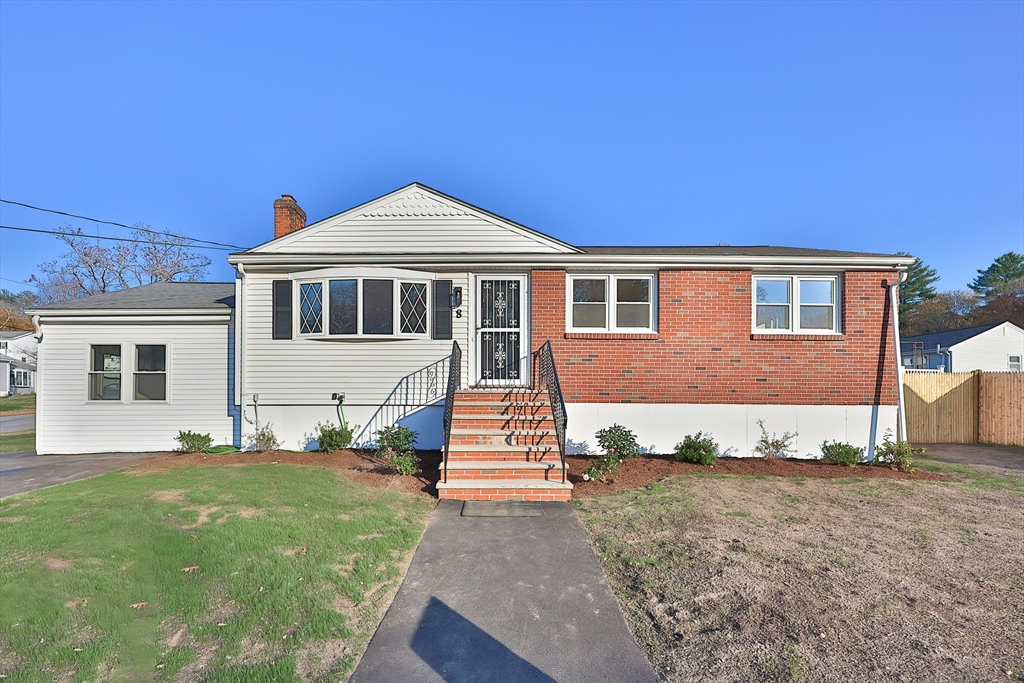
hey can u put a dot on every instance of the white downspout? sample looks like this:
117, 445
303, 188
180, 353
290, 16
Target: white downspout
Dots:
240, 341
894, 302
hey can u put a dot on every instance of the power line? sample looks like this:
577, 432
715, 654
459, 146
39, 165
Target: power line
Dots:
120, 225
20, 282
115, 239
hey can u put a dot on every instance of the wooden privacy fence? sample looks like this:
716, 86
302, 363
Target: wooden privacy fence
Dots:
965, 407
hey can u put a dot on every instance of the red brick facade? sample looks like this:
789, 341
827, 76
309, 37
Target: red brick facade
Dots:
704, 351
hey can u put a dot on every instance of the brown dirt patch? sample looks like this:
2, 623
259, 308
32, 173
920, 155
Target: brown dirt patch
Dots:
816, 579
170, 496
357, 466
641, 471
57, 563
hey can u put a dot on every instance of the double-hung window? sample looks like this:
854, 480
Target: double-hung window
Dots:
150, 372
105, 372
796, 304
363, 306
610, 303
1013, 363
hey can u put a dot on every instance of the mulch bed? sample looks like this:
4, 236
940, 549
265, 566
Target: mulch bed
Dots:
356, 465
361, 467
646, 469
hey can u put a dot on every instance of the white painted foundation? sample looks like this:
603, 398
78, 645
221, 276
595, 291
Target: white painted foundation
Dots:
295, 426
734, 427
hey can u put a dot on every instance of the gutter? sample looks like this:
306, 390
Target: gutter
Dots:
894, 303
574, 261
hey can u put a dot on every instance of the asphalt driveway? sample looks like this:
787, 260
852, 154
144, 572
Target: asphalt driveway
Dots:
987, 455
509, 599
26, 471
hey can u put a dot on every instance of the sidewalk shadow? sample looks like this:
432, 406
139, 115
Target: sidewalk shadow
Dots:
459, 651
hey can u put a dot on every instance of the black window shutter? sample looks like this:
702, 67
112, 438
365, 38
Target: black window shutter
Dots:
442, 309
282, 309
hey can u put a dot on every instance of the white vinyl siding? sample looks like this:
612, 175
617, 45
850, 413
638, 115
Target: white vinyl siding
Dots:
196, 382
416, 222
307, 371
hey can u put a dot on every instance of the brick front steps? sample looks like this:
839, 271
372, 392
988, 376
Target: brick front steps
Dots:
503, 447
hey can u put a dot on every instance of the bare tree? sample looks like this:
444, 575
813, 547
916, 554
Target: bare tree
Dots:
89, 268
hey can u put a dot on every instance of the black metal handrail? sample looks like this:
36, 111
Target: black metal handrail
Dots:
548, 376
454, 382
414, 392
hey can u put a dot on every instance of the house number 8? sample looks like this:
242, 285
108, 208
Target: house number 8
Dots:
458, 312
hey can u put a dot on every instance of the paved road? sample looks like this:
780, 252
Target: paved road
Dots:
505, 599
21, 472
17, 423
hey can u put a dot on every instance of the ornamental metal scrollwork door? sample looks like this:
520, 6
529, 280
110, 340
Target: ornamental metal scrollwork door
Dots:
500, 330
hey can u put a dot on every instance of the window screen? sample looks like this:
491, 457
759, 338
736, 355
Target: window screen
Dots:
344, 306
378, 307
151, 372
413, 308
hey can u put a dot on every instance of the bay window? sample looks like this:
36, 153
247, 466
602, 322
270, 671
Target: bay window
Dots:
363, 306
796, 304
610, 303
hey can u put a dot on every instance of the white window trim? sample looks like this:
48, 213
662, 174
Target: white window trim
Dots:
794, 305
325, 307
135, 372
611, 291
128, 358
1010, 362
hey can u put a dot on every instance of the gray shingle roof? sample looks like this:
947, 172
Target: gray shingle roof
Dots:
730, 251
949, 337
157, 296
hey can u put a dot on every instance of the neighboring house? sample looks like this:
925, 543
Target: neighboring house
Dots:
998, 347
16, 377
19, 344
367, 304
17, 362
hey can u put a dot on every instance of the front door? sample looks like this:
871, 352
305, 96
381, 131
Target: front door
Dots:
502, 346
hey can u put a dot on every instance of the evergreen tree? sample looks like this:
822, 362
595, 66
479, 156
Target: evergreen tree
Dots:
1009, 266
919, 285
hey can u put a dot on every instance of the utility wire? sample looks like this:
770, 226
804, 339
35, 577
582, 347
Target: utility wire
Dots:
115, 239
120, 225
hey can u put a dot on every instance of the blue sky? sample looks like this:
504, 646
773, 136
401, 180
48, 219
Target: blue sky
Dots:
863, 126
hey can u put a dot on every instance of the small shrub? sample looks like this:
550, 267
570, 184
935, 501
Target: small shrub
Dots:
841, 453
330, 438
698, 448
605, 466
193, 442
396, 450
262, 438
772, 446
619, 441
897, 455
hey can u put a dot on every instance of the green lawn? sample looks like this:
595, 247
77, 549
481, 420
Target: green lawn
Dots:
15, 442
23, 402
295, 569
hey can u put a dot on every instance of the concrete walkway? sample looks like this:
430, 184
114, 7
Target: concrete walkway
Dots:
26, 471
504, 599
984, 454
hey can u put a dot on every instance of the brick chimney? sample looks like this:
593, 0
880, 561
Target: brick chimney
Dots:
288, 216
